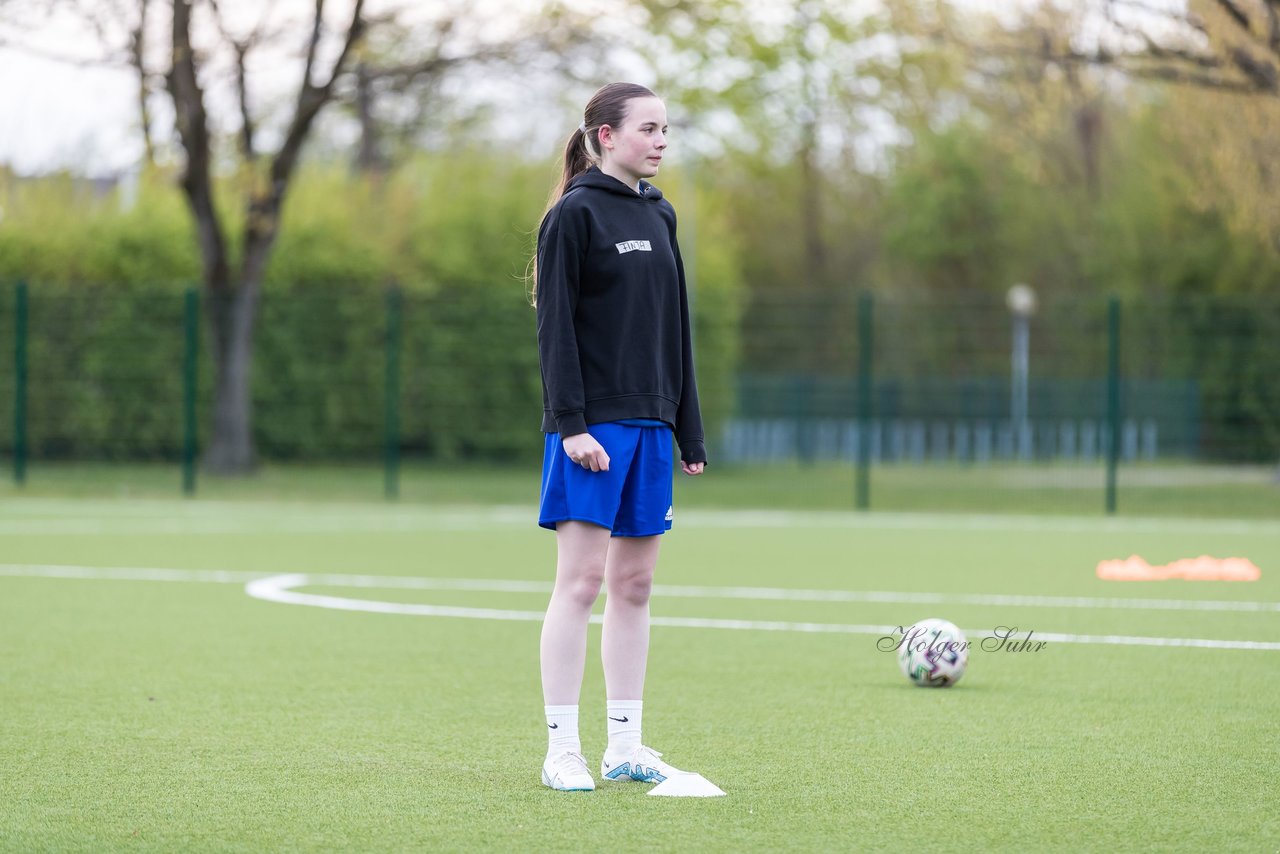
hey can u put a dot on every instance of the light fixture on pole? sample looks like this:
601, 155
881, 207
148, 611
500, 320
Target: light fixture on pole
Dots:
1021, 300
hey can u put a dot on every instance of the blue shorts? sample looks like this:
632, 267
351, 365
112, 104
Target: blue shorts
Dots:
631, 499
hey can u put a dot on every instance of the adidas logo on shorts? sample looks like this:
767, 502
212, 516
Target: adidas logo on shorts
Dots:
670, 514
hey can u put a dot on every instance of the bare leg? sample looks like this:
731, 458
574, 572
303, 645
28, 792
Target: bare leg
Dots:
581, 549
624, 643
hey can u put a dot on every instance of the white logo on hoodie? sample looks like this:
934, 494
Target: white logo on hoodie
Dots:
632, 246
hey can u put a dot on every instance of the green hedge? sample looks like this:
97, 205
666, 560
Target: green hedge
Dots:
106, 306
105, 372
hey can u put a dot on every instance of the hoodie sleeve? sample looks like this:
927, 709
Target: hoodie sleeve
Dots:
559, 266
689, 413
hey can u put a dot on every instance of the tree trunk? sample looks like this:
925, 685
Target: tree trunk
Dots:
232, 315
811, 208
370, 158
1089, 118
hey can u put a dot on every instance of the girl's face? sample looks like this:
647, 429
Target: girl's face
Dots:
634, 150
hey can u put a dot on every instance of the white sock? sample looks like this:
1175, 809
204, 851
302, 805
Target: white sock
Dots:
624, 725
562, 730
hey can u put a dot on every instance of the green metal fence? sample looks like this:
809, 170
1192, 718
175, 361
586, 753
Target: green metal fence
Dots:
918, 401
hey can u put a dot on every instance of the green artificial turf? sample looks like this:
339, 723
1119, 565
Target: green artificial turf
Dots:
1145, 489
187, 716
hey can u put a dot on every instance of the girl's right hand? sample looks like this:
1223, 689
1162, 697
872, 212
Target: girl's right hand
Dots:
584, 450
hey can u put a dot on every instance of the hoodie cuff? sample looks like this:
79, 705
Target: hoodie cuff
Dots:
693, 451
571, 424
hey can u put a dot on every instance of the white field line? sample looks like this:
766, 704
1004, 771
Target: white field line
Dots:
61, 517
127, 573
781, 594
282, 589
991, 599
771, 594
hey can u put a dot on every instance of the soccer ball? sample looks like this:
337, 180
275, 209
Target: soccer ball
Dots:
933, 653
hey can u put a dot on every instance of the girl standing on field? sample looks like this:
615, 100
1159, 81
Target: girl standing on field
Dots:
617, 380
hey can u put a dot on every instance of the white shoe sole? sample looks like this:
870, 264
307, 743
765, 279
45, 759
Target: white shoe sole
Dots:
546, 781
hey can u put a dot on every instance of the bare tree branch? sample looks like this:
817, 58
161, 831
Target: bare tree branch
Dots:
412, 80
406, 74
311, 97
1188, 19
1273, 25
137, 52
1228, 67
114, 59
264, 207
1261, 72
99, 16
192, 123
1172, 74
1240, 16
247, 147
316, 26
241, 47
1139, 66
1159, 50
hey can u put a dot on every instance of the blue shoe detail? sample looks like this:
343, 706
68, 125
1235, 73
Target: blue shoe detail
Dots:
638, 773
647, 775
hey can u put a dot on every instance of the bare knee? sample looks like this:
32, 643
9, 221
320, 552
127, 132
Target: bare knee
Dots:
581, 586
632, 587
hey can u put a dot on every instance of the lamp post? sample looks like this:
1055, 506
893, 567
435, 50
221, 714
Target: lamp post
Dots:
1021, 300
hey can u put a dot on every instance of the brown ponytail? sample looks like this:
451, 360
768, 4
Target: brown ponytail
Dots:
608, 106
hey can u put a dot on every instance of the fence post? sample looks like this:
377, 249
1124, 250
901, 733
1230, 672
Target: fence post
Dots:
190, 372
1113, 399
862, 499
20, 384
391, 438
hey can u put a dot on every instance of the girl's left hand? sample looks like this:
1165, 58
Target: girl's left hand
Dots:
692, 468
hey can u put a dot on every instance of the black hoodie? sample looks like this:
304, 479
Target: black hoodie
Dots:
613, 312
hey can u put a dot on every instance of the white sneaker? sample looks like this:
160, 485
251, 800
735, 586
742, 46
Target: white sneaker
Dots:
567, 772
640, 764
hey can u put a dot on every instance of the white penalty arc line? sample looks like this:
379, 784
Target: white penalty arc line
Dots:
281, 588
